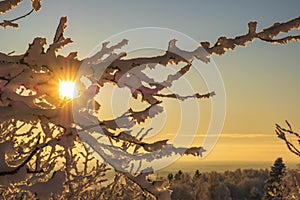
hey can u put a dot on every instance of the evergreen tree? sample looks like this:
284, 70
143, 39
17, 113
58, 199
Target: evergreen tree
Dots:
30, 97
170, 177
197, 174
255, 194
273, 185
179, 175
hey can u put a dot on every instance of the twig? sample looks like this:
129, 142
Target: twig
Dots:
23, 16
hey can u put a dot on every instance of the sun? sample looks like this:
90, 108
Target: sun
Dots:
67, 89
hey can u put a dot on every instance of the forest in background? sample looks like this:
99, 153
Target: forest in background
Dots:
243, 184
54, 163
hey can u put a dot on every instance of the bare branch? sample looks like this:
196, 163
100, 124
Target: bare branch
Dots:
292, 144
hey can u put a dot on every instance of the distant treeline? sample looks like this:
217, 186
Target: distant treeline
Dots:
246, 184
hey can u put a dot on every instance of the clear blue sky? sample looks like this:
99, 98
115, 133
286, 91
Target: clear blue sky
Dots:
261, 81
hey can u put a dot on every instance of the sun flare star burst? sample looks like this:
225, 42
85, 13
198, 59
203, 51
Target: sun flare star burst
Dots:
67, 89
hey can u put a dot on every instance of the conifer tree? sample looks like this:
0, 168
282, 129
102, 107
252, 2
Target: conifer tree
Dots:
274, 187
54, 154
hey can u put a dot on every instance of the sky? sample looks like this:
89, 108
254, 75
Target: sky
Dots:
260, 81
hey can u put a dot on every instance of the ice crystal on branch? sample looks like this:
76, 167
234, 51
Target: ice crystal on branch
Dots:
41, 143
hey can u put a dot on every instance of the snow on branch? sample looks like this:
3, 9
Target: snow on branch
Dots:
266, 35
29, 97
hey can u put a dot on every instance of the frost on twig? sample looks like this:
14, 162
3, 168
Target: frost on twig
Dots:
39, 141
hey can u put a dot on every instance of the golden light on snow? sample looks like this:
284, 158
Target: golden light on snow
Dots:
67, 89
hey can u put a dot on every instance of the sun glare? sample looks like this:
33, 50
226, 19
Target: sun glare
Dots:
67, 89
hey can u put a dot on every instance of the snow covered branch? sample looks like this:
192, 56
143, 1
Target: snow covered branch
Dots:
41, 139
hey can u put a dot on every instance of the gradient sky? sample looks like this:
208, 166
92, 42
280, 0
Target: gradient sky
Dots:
261, 81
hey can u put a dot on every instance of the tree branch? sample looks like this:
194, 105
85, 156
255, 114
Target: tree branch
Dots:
283, 133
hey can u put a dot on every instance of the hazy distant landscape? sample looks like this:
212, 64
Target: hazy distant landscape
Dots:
97, 99
247, 184
219, 166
